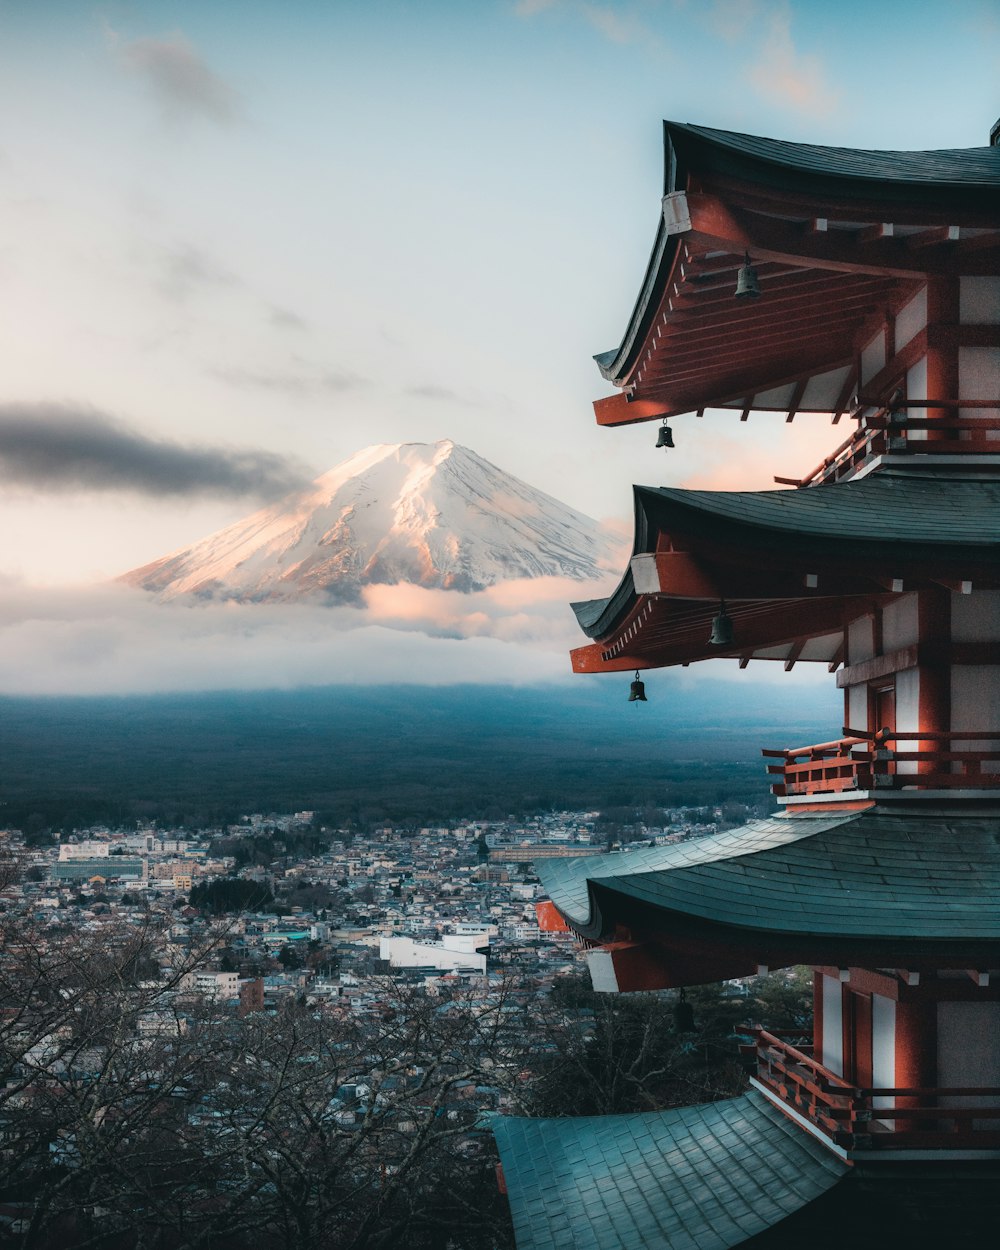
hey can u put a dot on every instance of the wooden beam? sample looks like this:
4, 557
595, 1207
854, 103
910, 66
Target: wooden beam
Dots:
790, 319
796, 399
880, 666
619, 410
718, 224
793, 655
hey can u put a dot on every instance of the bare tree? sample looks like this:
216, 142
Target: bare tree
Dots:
134, 1117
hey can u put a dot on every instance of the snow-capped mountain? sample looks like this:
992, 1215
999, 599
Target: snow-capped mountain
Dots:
436, 515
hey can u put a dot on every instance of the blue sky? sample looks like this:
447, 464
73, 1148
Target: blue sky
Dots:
298, 228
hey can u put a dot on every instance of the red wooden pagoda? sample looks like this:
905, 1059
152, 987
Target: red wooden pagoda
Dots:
866, 285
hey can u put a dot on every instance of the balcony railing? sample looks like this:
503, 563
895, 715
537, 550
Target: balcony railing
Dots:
878, 1118
866, 761
893, 431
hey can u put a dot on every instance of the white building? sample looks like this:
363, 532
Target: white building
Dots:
453, 952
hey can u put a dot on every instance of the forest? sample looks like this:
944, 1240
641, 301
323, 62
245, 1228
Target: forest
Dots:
391, 755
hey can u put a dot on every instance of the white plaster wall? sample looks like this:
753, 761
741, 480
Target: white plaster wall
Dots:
907, 711
979, 378
601, 966
975, 696
916, 388
883, 1046
873, 357
907, 696
858, 706
975, 617
833, 1026
969, 1048
899, 623
975, 704
979, 301
911, 319
860, 640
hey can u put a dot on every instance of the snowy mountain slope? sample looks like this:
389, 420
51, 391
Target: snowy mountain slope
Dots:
435, 515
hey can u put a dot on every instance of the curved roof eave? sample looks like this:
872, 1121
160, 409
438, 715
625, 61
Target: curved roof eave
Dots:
925, 514
883, 874
966, 177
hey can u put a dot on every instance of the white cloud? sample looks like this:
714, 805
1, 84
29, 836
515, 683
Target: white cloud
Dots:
115, 640
788, 77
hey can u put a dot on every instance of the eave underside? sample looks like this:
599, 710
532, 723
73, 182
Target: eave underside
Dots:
708, 1176
792, 567
731, 1173
836, 253
884, 882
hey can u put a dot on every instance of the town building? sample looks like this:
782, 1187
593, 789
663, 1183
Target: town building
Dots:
803, 280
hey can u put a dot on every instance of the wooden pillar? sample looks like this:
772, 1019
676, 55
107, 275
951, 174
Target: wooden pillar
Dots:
817, 1015
934, 699
942, 360
916, 1051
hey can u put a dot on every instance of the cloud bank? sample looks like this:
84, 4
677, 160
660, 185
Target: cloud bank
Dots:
56, 447
115, 640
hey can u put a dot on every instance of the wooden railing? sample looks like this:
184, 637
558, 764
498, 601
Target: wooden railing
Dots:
893, 430
865, 761
873, 1118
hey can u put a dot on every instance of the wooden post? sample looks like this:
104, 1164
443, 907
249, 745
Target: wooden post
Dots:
916, 1051
942, 361
934, 701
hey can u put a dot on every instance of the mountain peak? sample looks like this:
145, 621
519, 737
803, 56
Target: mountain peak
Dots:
430, 514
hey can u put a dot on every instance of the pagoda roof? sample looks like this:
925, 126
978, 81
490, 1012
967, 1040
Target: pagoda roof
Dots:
706, 1177
937, 171
840, 237
886, 874
755, 549
875, 509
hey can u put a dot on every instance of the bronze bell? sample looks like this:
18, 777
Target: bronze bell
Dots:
722, 628
637, 694
665, 436
746, 280
683, 1015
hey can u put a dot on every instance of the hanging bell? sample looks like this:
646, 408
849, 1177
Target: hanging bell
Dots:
722, 628
746, 280
637, 693
665, 436
683, 1015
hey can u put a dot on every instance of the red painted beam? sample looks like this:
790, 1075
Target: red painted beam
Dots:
619, 410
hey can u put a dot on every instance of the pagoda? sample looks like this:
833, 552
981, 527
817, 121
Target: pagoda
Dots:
865, 285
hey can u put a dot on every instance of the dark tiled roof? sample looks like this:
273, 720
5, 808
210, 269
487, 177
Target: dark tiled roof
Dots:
960, 180
881, 516
878, 507
886, 873
692, 1178
965, 167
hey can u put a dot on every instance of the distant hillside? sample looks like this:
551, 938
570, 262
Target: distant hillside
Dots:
400, 754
